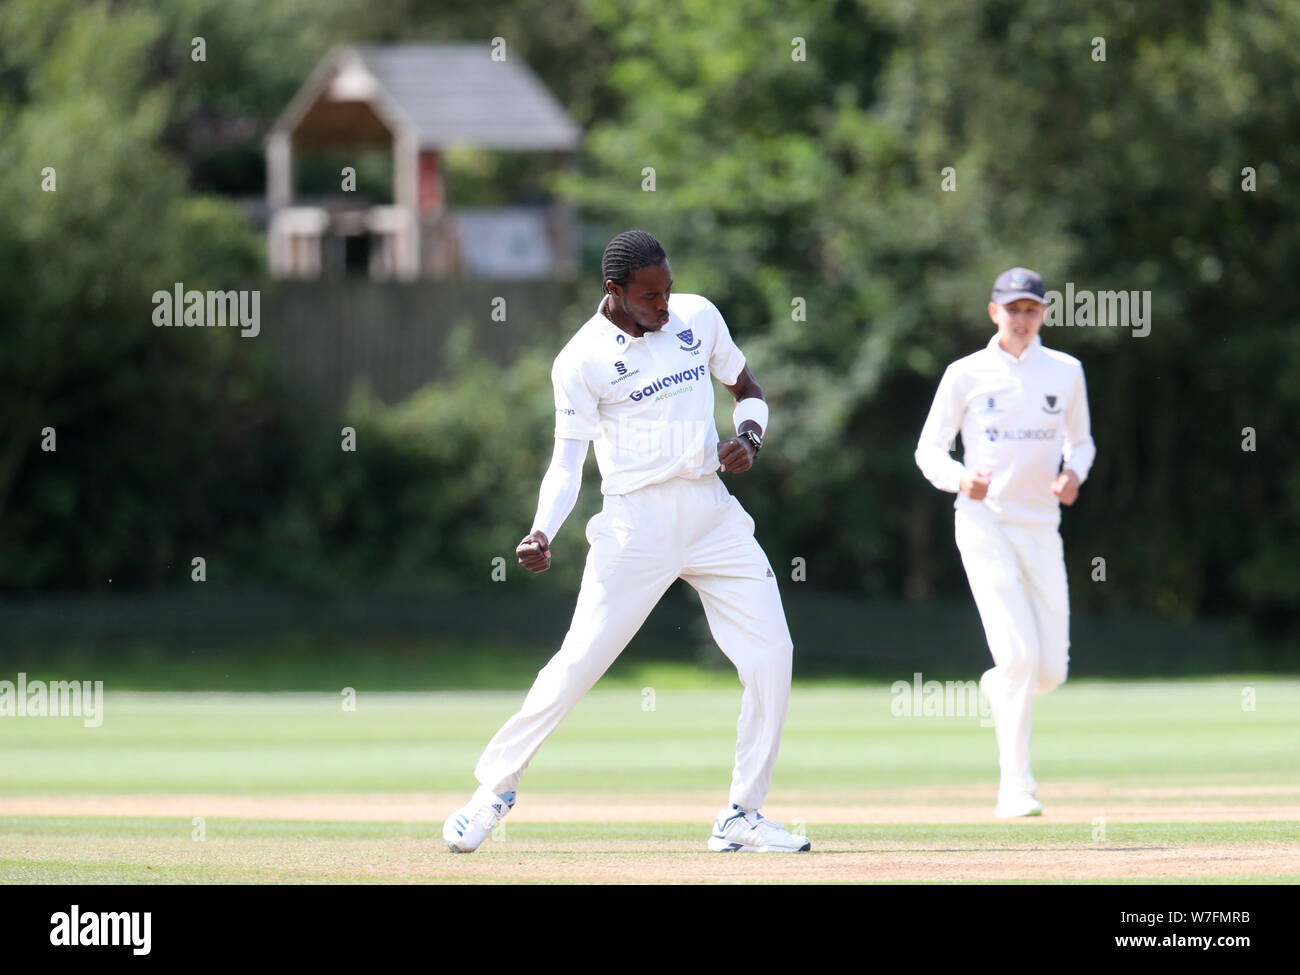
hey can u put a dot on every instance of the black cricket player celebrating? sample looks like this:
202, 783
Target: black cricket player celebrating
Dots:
636, 379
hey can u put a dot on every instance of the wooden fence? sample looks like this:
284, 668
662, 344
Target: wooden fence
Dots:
329, 334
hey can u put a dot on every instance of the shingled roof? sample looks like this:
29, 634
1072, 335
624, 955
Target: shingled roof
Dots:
441, 95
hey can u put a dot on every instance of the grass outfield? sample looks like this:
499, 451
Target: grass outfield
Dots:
1142, 782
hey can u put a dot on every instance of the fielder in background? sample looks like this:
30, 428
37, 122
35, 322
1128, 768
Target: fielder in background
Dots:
636, 380
1022, 411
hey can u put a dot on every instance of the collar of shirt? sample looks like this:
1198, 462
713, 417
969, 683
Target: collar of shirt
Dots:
610, 327
1003, 355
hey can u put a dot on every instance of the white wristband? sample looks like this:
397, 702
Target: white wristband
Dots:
751, 409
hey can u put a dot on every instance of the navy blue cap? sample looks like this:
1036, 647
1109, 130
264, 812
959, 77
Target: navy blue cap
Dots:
1019, 282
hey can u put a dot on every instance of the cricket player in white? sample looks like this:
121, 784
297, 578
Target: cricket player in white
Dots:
637, 380
1022, 411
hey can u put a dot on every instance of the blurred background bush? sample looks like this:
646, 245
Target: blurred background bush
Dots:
779, 182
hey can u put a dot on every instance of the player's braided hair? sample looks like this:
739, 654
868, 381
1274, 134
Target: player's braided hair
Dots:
628, 253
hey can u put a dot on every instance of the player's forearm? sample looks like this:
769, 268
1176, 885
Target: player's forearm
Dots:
751, 412
560, 486
1079, 451
1079, 457
934, 446
939, 467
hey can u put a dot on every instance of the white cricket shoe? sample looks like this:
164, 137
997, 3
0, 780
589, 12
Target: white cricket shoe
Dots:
469, 826
1018, 804
739, 830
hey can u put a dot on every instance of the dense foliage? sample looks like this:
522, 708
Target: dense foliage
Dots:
780, 181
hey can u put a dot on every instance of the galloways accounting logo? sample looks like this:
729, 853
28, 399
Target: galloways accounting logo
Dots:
673, 379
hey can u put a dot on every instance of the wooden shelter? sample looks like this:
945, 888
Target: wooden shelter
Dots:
419, 100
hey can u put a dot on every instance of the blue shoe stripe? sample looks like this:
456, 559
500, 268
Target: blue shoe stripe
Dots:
724, 823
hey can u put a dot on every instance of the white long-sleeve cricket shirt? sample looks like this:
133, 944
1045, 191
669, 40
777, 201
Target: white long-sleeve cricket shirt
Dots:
647, 402
1018, 417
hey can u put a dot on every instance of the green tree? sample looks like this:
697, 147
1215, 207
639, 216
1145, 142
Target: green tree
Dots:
822, 179
151, 424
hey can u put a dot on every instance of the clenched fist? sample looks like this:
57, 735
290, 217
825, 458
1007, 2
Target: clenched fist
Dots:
976, 486
534, 552
1066, 486
736, 455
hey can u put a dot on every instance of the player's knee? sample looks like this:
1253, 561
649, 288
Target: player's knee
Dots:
1020, 671
777, 665
785, 648
1052, 675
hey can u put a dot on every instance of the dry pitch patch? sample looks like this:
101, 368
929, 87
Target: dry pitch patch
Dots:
658, 839
1066, 803
531, 860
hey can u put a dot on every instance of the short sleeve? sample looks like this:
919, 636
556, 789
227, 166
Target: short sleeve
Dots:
576, 414
725, 360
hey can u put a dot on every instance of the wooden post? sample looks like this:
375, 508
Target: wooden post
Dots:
279, 170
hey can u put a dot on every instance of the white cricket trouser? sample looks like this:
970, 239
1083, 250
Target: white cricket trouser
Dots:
640, 543
1017, 576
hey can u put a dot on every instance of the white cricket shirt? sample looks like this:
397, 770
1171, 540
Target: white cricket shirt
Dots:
647, 402
1018, 416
